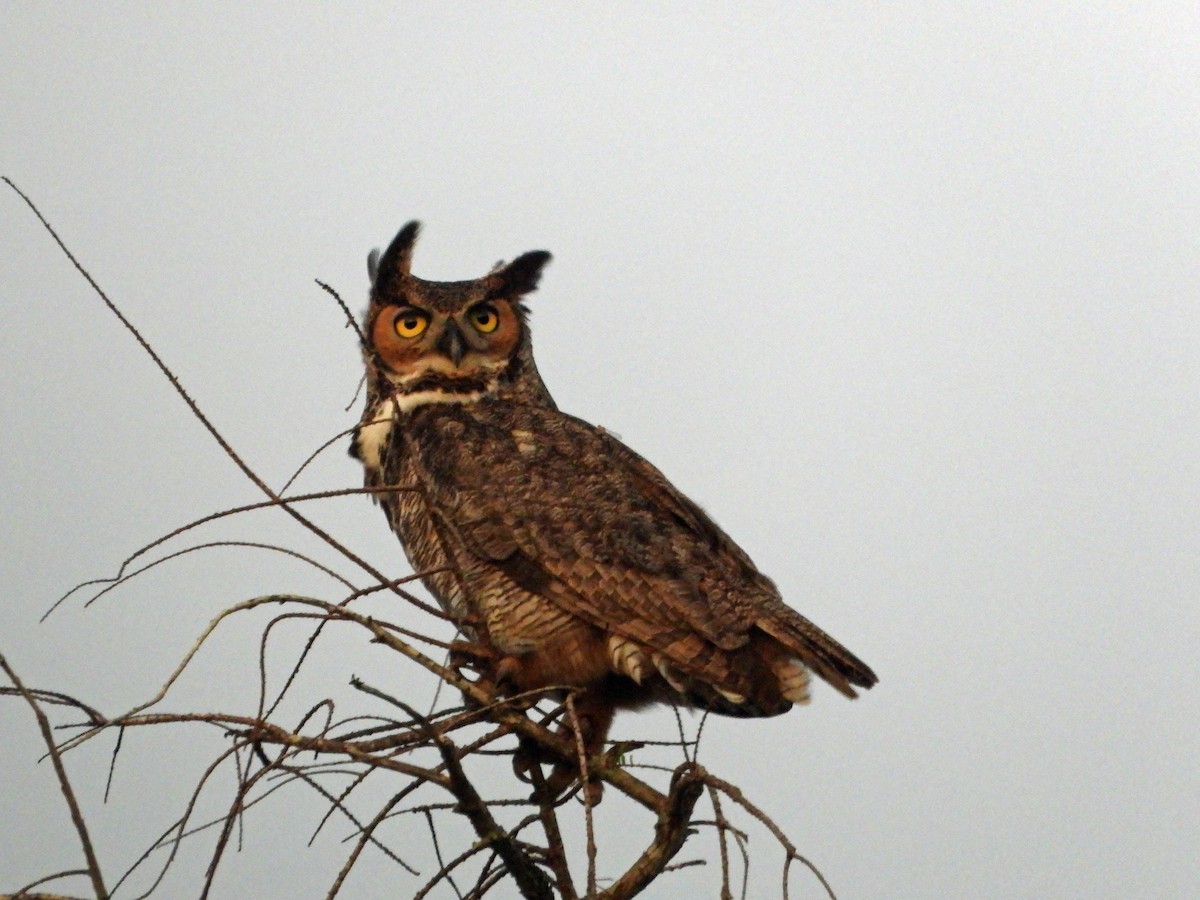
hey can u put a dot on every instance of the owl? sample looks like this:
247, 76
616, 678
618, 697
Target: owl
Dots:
569, 557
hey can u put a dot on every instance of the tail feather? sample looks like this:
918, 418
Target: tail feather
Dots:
817, 650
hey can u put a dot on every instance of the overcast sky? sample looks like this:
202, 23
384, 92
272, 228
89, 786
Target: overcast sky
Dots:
904, 294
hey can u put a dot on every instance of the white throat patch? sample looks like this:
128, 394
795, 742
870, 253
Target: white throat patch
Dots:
374, 435
409, 402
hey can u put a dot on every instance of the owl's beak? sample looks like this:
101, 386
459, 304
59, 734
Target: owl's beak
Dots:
451, 343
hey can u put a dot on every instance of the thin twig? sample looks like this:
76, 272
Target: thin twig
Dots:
312, 456
531, 881
25, 893
722, 842
366, 835
735, 794
589, 824
670, 832
556, 854
64, 783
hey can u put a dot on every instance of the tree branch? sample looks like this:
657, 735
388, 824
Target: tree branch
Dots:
671, 831
93, 864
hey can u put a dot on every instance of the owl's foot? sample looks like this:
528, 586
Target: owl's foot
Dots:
527, 766
563, 776
469, 655
497, 672
592, 716
528, 759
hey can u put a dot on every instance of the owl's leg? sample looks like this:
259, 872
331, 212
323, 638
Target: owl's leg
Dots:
470, 655
592, 715
497, 671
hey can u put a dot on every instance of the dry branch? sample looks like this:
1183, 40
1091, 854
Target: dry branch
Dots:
430, 751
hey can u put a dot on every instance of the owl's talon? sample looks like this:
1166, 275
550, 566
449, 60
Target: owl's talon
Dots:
494, 668
495, 671
469, 655
527, 762
530, 756
564, 776
527, 759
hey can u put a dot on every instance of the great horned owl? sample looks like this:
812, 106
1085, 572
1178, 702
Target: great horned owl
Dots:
569, 556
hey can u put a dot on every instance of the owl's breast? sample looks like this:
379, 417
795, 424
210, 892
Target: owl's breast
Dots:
386, 449
424, 541
439, 457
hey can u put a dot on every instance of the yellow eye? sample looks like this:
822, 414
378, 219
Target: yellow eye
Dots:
410, 323
484, 318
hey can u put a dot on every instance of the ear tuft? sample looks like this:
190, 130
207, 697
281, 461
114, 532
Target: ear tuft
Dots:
521, 276
397, 258
373, 265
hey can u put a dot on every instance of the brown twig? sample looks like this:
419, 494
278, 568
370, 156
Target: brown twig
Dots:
64, 783
222, 514
530, 880
585, 780
408, 744
312, 456
366, 835
24, 893
722, 841
210, 545
556, 854
735, 794
670, 832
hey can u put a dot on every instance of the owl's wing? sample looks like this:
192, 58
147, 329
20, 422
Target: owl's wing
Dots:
835, 664
822, 653
569, 513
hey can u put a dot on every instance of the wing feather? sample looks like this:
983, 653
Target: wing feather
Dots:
568, 512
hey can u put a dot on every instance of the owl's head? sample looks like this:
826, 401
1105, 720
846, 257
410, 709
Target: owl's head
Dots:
437, 340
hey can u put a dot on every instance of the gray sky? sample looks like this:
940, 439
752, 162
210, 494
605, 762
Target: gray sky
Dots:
904, 294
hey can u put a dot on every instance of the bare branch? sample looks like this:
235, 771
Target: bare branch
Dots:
64, 783
734, 793
530, 880
669, 833
332, 751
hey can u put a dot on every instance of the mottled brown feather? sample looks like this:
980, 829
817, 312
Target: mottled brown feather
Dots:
615, 545
560, 547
